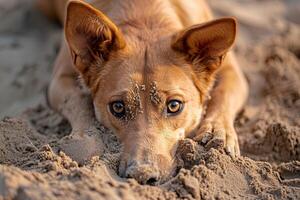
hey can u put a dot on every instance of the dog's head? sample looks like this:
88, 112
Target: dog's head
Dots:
151, 91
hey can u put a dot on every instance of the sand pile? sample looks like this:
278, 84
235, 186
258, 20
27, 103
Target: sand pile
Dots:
32, 167
270, 122
34, 171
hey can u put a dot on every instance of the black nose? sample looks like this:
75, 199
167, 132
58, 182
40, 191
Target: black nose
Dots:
151, 181
144, 174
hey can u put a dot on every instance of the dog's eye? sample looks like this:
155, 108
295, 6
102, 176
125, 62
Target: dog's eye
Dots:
174, 107
117, 108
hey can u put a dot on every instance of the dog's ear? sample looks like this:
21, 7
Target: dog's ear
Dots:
205, 45
91, 37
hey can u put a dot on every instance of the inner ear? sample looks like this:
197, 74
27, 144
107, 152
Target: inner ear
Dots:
210, 40
91, 37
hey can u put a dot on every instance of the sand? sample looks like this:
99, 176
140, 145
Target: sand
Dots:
31, 167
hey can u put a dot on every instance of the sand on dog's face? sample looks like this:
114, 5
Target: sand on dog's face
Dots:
148, 132
268, 131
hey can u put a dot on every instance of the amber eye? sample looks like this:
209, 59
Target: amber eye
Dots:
174, 107
117, 108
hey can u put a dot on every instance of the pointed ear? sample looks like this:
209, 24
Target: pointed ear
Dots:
205, 45
91, 37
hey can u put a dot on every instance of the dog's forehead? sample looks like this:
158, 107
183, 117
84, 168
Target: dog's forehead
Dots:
145, 79
146, 66
148, 69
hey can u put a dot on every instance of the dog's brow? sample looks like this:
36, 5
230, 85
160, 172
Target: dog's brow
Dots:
173, 90
121, 93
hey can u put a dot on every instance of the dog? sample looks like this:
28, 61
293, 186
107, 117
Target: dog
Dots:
156, 71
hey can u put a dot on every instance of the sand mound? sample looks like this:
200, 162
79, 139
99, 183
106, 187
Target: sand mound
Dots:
271, 119
33, 167
39, 172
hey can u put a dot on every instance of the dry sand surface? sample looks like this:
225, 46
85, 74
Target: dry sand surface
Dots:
268, 50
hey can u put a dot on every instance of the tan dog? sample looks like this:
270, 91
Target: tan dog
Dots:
150, 68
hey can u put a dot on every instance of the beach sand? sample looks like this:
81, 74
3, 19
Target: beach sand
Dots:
268, 50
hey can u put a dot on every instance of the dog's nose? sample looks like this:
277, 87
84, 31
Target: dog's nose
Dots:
144, 174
